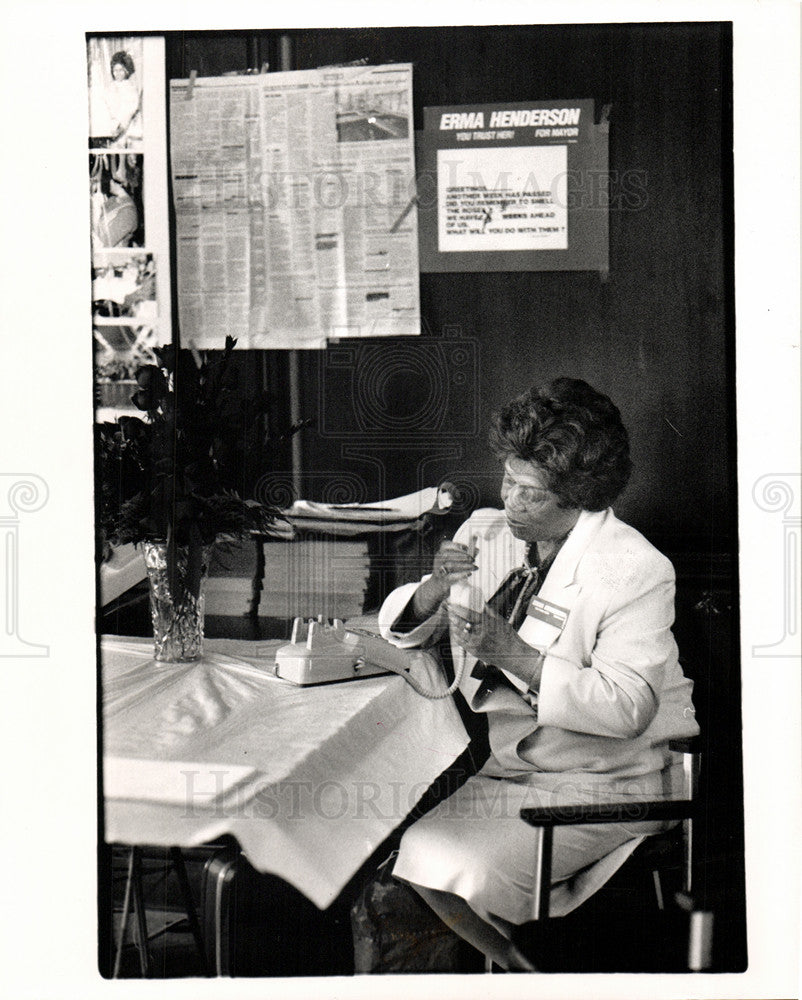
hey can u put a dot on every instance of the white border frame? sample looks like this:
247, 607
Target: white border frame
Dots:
49, 911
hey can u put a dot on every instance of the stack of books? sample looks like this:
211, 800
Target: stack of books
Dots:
313, 577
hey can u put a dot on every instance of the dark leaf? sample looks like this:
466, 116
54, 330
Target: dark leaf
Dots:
151, 378
166, 356
142, 400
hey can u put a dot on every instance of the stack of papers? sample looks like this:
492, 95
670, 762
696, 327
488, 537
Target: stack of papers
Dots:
313, 577
389, 515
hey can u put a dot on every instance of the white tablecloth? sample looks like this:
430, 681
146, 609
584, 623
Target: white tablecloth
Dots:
309, 780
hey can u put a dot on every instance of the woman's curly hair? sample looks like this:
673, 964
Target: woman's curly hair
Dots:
575, 434
123, 59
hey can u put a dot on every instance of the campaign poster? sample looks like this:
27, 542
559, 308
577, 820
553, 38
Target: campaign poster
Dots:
513, 187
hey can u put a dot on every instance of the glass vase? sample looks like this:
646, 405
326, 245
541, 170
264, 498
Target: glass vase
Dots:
177, 599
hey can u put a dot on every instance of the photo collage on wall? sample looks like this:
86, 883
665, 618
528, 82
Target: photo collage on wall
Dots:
125, 286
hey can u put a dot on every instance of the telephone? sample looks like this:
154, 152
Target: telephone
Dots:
320, 653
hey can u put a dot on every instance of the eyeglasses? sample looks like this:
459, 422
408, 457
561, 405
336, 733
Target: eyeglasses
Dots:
522, 495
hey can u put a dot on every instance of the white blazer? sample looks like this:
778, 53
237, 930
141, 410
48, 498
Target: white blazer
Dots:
612, 691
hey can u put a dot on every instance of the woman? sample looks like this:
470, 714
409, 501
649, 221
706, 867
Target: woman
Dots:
123, 100
561, 615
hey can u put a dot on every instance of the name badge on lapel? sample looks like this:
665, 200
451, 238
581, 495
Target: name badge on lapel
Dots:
544, 623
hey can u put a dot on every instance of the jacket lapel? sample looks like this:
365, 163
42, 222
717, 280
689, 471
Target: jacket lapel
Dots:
560, 587
563, 570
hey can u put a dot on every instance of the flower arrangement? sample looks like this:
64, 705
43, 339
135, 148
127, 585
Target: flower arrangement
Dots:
171, 476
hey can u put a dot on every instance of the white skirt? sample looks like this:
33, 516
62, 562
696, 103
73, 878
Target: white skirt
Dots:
475, 845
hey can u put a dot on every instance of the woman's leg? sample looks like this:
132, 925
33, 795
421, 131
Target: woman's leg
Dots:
457, 914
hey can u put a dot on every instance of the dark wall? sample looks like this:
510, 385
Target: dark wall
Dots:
656, 334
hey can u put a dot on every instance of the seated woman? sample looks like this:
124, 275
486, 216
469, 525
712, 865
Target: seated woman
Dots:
562, 617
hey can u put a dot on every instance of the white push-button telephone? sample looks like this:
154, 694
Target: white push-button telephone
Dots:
319, 653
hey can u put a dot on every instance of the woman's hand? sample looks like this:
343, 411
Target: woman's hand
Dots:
452, 562
491, 639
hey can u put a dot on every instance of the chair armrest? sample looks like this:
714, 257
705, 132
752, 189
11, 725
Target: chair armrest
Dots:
688, 744
609, 812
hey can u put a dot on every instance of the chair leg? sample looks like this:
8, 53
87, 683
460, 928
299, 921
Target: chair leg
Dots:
658, 889
700, 933
687, 836
700, 940
542, 886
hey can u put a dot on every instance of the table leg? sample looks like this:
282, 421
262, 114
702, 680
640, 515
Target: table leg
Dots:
124, 918
189, 906
141, 920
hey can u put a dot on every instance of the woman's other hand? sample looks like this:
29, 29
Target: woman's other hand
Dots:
491, 639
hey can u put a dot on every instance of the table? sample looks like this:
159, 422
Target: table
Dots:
310, 781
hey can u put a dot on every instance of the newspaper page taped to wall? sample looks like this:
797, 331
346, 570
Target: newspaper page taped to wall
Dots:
295, 219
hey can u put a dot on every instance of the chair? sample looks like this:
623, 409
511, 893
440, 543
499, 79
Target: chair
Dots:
660, 854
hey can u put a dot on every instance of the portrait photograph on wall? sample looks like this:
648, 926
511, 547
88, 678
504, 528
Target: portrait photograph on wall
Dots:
115, 71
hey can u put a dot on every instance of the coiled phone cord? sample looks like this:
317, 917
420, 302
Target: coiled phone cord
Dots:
413, 682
